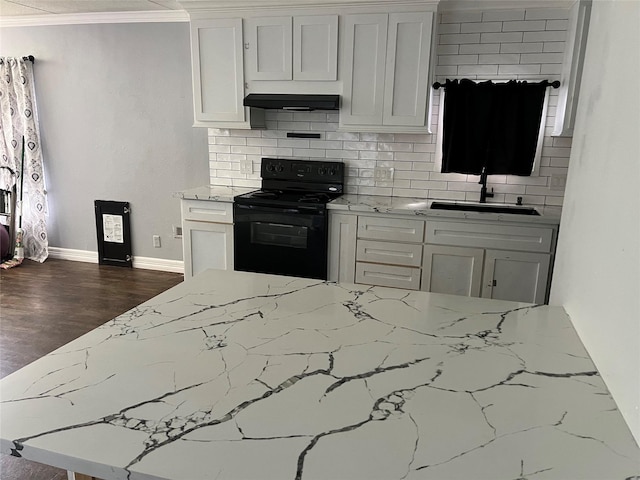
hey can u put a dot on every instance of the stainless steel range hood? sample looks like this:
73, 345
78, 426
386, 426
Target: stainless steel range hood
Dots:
299, 102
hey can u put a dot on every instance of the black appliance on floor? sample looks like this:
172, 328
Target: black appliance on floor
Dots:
283, 227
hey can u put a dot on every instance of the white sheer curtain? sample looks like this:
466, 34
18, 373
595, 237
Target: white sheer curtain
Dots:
19, 119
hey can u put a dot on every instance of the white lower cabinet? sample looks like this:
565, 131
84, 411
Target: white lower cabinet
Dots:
517, 276
342, 247
452, 270
207, 236
388, 275
497, 260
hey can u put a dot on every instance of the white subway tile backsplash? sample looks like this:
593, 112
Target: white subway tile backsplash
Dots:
360, 145
461, 38
480, 48
326, 144
368, 155
522, 47
219, 148
547, 14
503, 37
533, 69
557, 25
524, 26
448, 50
503, 15
491, 45
478, 71
395, 147
377, 137
457, 59
552, 47
551, 69
547, 36
501, 58
480, 27
459, 17
541, 58
449, 28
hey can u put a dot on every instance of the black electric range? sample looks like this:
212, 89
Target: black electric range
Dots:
282, 228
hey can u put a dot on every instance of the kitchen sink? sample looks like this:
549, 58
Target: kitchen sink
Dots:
483, 207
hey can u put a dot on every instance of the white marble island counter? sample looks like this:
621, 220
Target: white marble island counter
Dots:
233, 375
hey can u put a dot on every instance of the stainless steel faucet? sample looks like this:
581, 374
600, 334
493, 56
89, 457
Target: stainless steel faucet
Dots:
483, 191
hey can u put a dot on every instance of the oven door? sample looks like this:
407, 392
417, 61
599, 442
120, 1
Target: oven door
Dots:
282, 241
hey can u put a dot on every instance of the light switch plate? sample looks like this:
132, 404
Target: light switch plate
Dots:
246, 166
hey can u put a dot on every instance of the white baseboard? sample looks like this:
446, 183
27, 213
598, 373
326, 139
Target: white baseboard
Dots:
146, 263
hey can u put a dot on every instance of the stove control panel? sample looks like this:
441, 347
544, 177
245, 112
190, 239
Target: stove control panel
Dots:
302, 170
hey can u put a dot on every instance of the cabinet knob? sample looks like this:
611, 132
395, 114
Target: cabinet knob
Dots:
246, 46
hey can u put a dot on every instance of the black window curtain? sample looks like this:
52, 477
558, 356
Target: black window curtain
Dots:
489, 125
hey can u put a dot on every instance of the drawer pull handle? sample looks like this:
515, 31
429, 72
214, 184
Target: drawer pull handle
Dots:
389, 253
390, 276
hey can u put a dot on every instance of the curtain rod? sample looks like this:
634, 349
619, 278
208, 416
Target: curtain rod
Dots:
547, 83
29, 57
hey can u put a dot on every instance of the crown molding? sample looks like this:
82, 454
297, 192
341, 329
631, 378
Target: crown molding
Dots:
203, 6
154, 16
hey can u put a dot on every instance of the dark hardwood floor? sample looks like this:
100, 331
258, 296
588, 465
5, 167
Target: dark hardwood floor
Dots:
44, 306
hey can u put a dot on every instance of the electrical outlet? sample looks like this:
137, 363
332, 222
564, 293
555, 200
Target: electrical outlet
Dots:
177, 231
156, 241
557, 182
246, 166
383, 174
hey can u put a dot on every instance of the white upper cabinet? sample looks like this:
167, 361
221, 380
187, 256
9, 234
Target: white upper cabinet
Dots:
315, 47
406, 83
269, 48
386, 67
365, 50
301, 48
218, 74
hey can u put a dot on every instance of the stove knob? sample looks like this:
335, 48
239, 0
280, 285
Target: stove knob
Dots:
322, 171
332, 171
271, 167
280, 168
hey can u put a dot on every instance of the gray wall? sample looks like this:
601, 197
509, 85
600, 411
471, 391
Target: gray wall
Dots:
115, 107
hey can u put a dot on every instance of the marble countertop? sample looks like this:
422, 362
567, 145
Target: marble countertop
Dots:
233, 375
384, 204
421, 207
215, 193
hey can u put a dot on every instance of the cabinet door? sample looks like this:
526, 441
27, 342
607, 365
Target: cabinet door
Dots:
315, 47
364, 62
218, 70
452, 270
407, 67
206, 245
516, 276
269, 42
342, 247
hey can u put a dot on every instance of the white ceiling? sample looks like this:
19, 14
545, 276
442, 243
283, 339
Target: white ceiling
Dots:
22, 8
66, 7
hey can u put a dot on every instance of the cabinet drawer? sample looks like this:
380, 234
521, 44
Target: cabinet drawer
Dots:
388, 275
507, 237
394, 229
409, 254
207, 211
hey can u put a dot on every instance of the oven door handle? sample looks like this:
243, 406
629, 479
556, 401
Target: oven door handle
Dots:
296, 210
